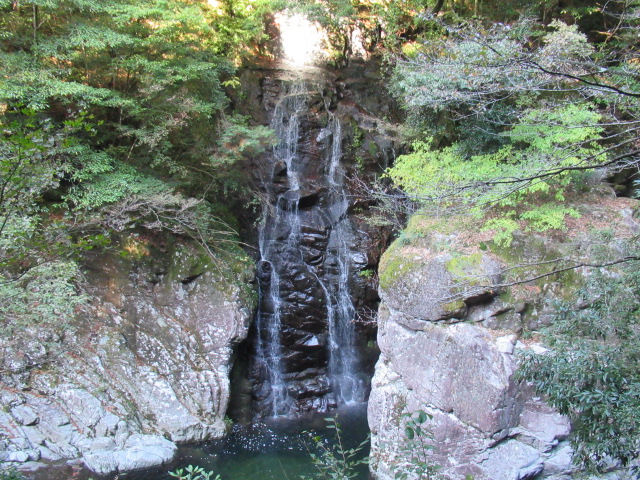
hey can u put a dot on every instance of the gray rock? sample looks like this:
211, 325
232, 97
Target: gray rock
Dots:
455, 368
34, 454
559, 462
512, 460
103, 444
421, 285
20, 443
541, 426
457, 361
46, 454
101, 462
24, 415
19, 456
34, 435
31, 466
169, 378
107, 425
85, 408
140, 451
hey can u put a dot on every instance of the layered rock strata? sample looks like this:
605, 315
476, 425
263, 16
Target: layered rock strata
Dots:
145, 364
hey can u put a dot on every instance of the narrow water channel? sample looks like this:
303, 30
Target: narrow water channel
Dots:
275, 449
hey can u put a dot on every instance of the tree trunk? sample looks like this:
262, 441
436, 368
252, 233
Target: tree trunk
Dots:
35, 24
437, 7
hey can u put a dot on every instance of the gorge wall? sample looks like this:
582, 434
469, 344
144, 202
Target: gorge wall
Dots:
145, 364
449, 338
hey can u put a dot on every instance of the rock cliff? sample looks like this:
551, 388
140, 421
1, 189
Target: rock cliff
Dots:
144, 365
450, 328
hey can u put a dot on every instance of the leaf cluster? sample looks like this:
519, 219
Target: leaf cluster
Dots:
414, 450
335, 461
591, 373
192, 472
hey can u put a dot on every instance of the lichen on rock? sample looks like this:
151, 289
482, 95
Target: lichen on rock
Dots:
457, 308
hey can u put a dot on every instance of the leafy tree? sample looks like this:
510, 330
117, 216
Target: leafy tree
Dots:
591, 371
152, 73
38, 294
528, 111
109, 112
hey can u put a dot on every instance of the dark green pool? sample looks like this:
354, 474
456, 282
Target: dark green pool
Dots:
277, 449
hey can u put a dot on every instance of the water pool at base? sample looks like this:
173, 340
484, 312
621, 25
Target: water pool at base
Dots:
276, 449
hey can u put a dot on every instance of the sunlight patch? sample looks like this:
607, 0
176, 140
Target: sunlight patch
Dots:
302, 40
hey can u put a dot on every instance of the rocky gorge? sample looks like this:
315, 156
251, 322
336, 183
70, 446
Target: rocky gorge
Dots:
297, 319
146, 364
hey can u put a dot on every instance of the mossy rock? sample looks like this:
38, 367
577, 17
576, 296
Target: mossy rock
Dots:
434, 286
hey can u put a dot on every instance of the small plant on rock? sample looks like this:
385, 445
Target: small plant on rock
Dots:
10, 473
335, 462
414, 451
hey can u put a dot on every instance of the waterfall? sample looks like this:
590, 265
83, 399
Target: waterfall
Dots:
307, 357
285, 123
343, 354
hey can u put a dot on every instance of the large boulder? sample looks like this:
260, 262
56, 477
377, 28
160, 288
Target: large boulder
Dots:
453, 318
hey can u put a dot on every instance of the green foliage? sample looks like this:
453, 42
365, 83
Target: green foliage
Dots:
335, 462
151, 73
414, 460
45, 295
366, 273
524, 179
591, 373
10, 473
547, 217
192, 472
503, 228
237, 142
525, 107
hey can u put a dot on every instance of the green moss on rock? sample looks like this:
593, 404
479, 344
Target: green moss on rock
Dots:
467, 268
395, 265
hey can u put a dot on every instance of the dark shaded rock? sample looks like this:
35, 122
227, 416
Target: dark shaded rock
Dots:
312, 238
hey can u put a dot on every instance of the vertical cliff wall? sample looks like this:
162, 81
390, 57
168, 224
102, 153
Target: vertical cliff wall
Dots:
145, 364
449, 336
309, 352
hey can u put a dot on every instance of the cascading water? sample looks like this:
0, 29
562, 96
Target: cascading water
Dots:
306, 350
285, 123
343, 354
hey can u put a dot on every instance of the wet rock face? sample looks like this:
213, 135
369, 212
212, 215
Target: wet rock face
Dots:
145, 366
312, 247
